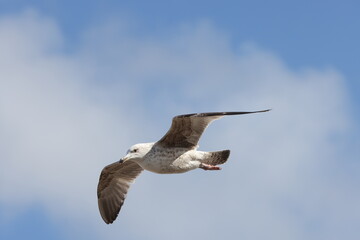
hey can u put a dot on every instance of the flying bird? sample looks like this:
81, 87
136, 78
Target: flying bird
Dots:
176, 152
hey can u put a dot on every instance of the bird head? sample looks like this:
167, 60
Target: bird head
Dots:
137, 152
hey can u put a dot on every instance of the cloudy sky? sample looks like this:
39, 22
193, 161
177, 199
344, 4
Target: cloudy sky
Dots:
81, 81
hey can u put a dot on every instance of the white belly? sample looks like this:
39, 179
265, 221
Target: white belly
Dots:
175, 161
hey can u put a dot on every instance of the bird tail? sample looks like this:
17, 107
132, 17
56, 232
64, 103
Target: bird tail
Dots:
216, 158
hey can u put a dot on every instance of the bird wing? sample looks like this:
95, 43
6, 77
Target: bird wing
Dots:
186, 130
115, 180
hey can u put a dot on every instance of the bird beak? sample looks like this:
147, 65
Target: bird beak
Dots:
124, 159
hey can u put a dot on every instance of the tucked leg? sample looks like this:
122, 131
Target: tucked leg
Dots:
209, 167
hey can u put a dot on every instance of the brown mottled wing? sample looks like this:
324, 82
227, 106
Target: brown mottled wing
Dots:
114, 182
186, 130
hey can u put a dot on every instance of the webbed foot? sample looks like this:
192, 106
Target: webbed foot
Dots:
208, 167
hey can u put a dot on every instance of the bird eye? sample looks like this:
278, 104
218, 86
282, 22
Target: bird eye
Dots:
135, 150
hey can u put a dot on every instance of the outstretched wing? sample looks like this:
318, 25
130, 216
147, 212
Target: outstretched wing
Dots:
114, 182
186, 130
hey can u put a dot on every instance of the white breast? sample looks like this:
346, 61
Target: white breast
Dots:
169, 160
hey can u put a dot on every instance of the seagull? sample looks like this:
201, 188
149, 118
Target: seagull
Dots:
175, 152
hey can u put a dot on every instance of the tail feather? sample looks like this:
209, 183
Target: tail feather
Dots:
216, 158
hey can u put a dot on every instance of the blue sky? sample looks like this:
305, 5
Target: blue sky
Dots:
81, 81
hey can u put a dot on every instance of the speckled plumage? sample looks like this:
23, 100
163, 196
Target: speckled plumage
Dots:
176, 152
174, 160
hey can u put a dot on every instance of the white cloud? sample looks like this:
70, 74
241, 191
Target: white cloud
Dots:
64, 116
